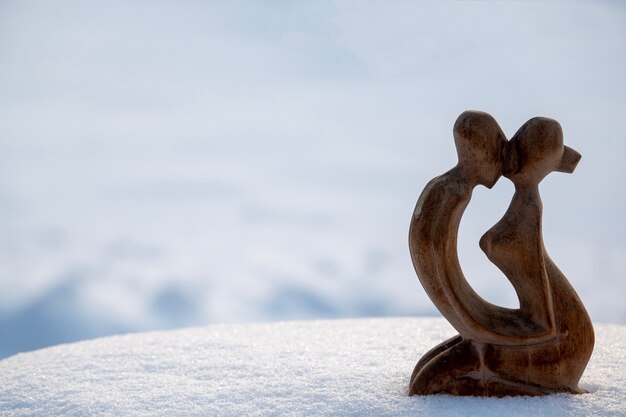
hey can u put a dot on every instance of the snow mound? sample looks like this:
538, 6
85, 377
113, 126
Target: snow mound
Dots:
310, 368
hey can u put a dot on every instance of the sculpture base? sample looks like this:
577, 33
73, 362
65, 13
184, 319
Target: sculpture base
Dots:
457, 367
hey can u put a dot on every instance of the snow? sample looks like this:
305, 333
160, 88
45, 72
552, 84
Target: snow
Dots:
357, 367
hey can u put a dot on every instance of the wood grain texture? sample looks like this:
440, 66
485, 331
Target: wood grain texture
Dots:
544, 346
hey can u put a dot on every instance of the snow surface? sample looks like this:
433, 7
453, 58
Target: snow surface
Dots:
354, 367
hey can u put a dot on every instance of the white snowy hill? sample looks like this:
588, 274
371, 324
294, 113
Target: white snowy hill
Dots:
309, 368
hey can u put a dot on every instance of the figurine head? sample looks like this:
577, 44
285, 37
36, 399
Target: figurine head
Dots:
536, 150
479, 144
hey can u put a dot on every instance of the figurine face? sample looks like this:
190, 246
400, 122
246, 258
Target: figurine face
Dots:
479, 142
536, 150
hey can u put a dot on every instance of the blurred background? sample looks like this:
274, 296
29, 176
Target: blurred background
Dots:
167, 164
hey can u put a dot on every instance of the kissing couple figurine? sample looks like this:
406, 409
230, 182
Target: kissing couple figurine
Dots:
543, 346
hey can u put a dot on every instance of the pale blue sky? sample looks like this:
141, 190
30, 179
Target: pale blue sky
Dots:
174, 163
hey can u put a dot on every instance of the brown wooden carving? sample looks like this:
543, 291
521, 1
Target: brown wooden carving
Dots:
544, 346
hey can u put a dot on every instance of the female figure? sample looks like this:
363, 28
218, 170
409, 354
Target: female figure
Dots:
515, 246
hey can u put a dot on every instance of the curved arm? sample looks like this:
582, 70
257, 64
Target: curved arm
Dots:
487, 322
433, 242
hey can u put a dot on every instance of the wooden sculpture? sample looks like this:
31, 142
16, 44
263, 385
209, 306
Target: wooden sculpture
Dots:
544, 346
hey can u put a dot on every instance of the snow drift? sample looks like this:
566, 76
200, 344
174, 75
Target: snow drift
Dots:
335, 368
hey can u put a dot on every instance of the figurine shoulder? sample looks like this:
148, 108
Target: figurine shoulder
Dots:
441, 189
